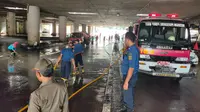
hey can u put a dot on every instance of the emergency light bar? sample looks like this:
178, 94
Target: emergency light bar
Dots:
154, 15
172, 15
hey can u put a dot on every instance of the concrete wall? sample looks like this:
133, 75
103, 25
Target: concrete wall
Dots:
48, 27
3, 25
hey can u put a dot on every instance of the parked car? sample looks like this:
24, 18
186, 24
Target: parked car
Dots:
80, 36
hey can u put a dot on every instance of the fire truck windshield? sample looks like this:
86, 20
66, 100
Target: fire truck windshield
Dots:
163, 31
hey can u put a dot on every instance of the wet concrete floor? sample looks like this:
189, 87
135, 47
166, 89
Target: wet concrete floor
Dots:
16, 86
153, 94
158, 94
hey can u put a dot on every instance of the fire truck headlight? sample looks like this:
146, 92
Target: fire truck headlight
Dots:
142, 56
194, 58
181, 59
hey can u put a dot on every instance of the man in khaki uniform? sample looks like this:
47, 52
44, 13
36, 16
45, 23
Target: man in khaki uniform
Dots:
50, 96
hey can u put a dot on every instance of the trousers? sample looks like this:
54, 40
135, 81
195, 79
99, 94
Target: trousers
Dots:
65, 69
128, 95
78, 59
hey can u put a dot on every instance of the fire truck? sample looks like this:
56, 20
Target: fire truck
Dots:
165, 46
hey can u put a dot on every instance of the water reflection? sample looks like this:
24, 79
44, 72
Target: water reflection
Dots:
78, 83
17, 82
32, 58
11, 67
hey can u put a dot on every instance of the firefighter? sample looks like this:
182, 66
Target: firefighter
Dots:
70, 44
78, 51
129, 67
67, 58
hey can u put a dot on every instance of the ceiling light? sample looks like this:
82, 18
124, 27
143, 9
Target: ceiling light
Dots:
142, 15
83, 13
15, 8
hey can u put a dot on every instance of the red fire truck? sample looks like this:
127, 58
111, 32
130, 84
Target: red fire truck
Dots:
165, 46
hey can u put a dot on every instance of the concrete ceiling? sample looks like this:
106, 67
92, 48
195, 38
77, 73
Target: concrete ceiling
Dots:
108, 9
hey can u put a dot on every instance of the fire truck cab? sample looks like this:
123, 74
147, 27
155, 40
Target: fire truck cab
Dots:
165, 46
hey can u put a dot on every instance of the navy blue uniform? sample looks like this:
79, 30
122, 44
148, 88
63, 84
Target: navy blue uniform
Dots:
78, 50
67, 55
130, 60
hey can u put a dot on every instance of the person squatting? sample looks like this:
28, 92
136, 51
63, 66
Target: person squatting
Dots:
12, 48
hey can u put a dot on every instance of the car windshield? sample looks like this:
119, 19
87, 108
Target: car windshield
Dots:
76, 35
163, 31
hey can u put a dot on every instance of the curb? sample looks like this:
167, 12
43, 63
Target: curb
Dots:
108, 91
113, 94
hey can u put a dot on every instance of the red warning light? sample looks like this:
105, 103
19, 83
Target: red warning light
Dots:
172, 15
154, 15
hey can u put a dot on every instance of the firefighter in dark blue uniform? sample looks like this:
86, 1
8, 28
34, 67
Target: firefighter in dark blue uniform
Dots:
67, 58
78, 51
129, 68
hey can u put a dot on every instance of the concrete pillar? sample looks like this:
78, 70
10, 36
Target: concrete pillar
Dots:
11, 24
33, 17
54, 28
62, 27
89, 30
1, 21
41, 29
93, 30
25, 26
3, 26
72, 28
83, 27
76, 27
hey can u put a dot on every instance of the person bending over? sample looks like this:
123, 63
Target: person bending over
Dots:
67, 58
